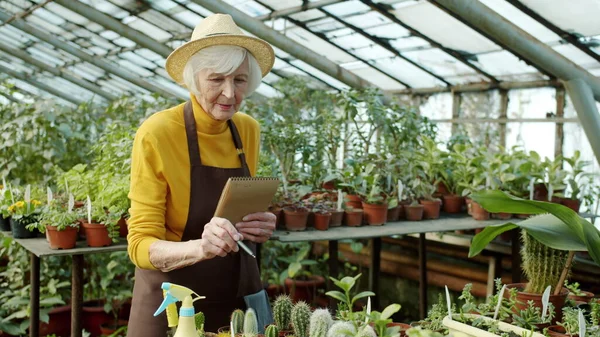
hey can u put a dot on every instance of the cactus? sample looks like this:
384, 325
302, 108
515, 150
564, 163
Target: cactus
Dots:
542, 265
237, 320
301, 319
272, 331
250, 323
342, 329
320, 322
366, 331
282, 310
199, 321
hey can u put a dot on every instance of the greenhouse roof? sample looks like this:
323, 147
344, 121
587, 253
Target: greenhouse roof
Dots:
101, 49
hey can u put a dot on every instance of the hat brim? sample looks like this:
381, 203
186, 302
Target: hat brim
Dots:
261, 50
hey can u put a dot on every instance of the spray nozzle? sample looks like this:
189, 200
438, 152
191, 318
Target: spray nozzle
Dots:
174, 293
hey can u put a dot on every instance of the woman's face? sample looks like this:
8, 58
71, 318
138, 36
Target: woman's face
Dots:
221, 95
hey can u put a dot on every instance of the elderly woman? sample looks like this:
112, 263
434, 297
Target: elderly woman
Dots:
181, 160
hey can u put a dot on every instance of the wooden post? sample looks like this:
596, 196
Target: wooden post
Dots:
503, 115
34, 300
333, 270
456, 100
375, 271
560, 113
422, 276
76, 295
565, 272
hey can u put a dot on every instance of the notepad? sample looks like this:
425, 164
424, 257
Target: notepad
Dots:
245, 195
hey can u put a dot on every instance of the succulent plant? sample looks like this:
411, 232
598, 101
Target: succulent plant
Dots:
282, 310
301, 319
342, 329
250, 323
237, 320
542, 265
320, 322
272, 331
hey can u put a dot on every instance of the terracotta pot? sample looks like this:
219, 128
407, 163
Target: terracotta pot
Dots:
295, 220
401, 210
336, 218
403, 327
586, 298
522, 216
353, 201
59, 322
329, 185
453, 203
65, 239
523, 298
375, 215
478, 212
322, 221
431, 208
468, 202
393, 214
571, 203
96, 235
442, 189
414, 212
278, 212
353, 218
94, 316
540, 192
4, 224
503, 216
558, 331
123, 231
108, 329
304, 290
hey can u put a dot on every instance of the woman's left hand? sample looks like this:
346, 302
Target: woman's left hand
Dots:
257, 227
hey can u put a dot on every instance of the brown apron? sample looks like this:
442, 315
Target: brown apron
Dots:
223, 280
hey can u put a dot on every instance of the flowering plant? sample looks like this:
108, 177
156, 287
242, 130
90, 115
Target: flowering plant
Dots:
25, 211
6, 199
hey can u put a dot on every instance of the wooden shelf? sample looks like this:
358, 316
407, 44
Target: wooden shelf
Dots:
40, 247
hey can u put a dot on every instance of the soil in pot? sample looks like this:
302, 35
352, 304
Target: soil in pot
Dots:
336, 218
375, 215
353, 218
304, 290
393, 214
295, 218
353, 201
431, 208
4, 224
453, 203
478, 212
96, 235
414, 212
65, 239
322, 221
523, 298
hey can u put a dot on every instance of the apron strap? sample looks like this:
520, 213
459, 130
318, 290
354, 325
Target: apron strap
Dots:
238, 145
192, 136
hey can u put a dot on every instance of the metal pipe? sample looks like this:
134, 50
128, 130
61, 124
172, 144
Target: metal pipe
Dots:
45, 87
519, 41
257, 28
116, 26
24, 56
108, 67
9, 97
297, 9
476, 87
583, 100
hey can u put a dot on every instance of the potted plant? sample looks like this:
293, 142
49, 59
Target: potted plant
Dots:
6, 200
97, 232
24, 214
575, 179
61, 225
457, 176
374, 204
299, 282
569, 327
550, 240
577, 294
431, 161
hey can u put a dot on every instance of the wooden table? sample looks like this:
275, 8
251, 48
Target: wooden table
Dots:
38, 248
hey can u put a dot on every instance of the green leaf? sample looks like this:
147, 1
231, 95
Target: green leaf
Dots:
294, 268
337, 295
362, 295
50, 301
390, 310
481, 240
11, 329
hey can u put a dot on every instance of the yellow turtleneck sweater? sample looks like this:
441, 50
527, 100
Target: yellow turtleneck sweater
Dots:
160, 172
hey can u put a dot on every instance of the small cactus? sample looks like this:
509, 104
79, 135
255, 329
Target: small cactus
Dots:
250, 323
282, 312
342, 329
320, 322
301, 319
542, 265
199, 322
272, 331
237, 320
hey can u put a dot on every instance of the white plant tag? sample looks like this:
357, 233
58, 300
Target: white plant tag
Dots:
368, 309
231, 329
89, 209
531, 188
66, 187
500, 297
71, 203
400, 190
550, 192
545, 301
340, 200
581, 324
49, 194
28, 193
448, 303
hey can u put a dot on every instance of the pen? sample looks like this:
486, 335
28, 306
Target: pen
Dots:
244, 247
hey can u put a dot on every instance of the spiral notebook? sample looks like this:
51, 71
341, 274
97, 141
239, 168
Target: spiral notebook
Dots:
245, 195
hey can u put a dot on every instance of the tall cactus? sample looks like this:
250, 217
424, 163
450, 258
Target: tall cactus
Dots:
272, 331
342, 329
282, 310
237, 320
300, 319
250, 323
542, 265
320, 322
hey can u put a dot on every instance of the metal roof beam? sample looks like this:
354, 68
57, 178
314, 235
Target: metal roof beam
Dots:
587, 111
475, 87
108, 67
24, 56
297, 9
45, 87
457, 55
571, 38
485, 19
9, 97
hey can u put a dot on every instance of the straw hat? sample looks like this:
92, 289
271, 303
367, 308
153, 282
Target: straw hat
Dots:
219, 29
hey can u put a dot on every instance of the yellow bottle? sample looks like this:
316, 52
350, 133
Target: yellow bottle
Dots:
187, 324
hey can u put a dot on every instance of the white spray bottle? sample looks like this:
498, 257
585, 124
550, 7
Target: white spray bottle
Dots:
185, 323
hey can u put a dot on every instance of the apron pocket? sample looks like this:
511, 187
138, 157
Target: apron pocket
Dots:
260, 303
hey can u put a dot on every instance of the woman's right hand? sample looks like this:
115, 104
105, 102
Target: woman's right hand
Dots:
219, 238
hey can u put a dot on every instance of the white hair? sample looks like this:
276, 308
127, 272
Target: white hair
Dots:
224, 60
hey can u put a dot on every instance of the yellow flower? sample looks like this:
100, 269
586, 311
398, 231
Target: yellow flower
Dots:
20, 204
11, 208
35, 202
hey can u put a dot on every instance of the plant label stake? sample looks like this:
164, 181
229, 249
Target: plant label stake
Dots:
531, 188
389, 182
71, 203
581, 324
448, 303
66, 186
550, 192
368, 309
400, 190
500, 297
89, 209
340, 200
545, 301
231, 329
28, 196
49, 194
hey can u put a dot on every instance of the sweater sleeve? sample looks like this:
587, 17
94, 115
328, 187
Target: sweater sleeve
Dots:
148, 192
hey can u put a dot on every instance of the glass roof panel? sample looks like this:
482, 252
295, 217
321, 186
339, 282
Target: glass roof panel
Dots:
370, 19
138, 60
147, 28
578, 16
408, 73
124, 42
523, 77
107, 7
251, 8
16, 66
187, 17
319, 74
378, 79
164, 5
389, 31
66, 14
267, 91
345, 8
353, 41
45, 25
465, 79
522, 20
164, 22
439, 62
339, 33
373, 52
502, 63
577, 56
325, 25
44, 56
50, 17
281, 4
319, 46
443, 28
310, 14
